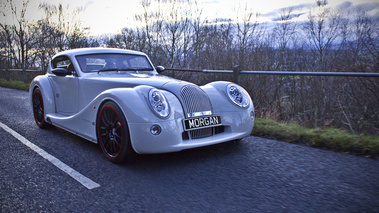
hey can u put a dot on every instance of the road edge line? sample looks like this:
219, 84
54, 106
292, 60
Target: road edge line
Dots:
86, 182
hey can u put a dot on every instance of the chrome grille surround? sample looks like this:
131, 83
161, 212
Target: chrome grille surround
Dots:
196, 104
195, 101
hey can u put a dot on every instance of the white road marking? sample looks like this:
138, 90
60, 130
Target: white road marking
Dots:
88, 183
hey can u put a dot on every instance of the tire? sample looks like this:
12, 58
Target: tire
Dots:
113, 133
38, 109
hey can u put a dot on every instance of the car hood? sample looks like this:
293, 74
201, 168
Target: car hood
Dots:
194, 99
93, 84
131, 80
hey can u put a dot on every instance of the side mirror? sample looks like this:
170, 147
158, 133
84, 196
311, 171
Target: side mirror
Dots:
159, 69
60, 72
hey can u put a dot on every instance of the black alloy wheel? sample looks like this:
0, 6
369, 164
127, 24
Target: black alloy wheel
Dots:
113, 133
38, 109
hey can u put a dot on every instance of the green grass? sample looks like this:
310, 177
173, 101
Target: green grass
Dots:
327, 138
14, 84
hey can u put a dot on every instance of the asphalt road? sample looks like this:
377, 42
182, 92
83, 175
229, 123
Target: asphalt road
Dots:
253, 175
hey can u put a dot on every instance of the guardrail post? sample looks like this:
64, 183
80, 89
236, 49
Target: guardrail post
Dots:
236, 74
7, 74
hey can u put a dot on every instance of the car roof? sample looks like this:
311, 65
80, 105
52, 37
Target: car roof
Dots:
84, 51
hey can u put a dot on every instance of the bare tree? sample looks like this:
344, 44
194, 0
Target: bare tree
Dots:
322, 29
20, 33
174, 25
147, 20
249, 33
285, 34
6, 41
197, 44
67, 32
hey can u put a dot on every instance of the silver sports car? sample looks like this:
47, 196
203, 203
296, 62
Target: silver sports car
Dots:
118, 99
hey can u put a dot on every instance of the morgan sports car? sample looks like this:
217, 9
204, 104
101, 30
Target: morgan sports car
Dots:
118, 99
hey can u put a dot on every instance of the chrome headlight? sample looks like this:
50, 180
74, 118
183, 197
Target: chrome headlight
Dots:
238, 95
159, 103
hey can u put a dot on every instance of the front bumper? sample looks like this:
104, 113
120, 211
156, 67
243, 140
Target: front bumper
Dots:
235, 125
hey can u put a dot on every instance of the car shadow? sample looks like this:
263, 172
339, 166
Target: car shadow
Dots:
191, 156
210, 154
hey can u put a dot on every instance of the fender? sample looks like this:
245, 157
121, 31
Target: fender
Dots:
83, 123
136, 109
135, 105
44, 85
132, 102
220, 100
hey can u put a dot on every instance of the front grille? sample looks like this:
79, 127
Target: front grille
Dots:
202, 133
196, 101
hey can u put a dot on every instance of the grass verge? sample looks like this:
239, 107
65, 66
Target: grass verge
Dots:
327, 138
14, 84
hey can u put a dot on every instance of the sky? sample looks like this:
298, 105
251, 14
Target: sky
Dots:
110, 16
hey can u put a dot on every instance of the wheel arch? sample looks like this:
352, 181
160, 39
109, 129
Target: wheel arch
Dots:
130, 109
109, 99
47, 93
130, 151
102, 103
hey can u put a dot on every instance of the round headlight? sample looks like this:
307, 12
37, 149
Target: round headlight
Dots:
238, 95
159, 103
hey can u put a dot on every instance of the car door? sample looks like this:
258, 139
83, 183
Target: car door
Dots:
66, 88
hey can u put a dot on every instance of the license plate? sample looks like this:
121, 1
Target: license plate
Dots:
202, 122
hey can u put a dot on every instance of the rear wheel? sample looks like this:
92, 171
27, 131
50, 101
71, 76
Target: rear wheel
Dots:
113, 133
38, 109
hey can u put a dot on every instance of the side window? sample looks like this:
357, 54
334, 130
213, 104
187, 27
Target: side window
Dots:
63, 62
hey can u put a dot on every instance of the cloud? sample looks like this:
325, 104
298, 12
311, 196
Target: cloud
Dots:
344, 6
299, 7
376, 15
291, 16
211, 2
369, 6
88, 3
294, 11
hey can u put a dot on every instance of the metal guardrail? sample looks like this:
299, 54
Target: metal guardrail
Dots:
19, 75
236, 73
347, 74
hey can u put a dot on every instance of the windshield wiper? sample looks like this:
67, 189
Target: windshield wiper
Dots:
145, 69
128, 69
137, 69
108, 70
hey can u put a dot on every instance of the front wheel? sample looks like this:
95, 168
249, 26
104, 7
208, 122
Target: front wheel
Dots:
113, 133
38, 109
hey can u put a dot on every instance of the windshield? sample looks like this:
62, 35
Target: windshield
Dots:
113, 62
